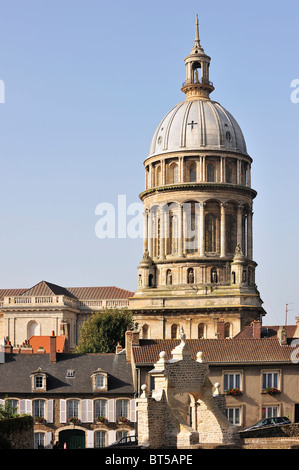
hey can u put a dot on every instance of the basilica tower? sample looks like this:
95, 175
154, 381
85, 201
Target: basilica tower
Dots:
197, 270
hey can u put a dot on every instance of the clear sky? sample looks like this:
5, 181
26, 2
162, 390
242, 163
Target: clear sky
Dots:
86, 84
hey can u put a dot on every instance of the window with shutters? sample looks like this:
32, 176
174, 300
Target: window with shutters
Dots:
122, 409
100, 439
72, 409
39, 440
39, 409
100, 408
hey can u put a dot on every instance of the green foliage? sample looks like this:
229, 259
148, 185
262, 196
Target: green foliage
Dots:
103, 330
7, 411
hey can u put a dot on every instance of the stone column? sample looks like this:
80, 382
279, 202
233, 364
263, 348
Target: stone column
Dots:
203, 168
145, 230
150, 234
163, 172
249, 235
201, 235
180, 231
162, 232
222, 170
239, 225
181, 169
222, 232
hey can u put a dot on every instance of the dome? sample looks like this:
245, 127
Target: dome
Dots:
198, 125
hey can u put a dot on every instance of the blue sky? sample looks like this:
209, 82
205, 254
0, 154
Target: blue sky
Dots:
86, 84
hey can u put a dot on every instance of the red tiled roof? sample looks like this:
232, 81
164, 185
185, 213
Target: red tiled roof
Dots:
44, 341
217, 350
267, 331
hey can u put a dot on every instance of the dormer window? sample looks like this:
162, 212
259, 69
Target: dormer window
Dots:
99, 380
39, 380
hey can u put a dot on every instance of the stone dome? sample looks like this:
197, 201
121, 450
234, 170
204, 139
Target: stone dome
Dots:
198, 125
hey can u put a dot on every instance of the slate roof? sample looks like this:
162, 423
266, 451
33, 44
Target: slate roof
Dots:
218, 351
15, 373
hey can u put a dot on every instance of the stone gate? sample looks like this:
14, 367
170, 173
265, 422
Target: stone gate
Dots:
182, 410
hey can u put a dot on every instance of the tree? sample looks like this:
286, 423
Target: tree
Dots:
101, 332
7, 411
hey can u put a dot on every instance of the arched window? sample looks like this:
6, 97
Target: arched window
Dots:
151, 280
33, 329
174, 331
175, 174
158, 180
228, 173
192, 173
227, 330
190, 227
233, 277
145, 331
190, 276
168, 277
214, 276
211, 172
202, 331
210, 233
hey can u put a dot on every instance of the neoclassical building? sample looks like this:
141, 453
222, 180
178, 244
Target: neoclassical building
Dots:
197, 264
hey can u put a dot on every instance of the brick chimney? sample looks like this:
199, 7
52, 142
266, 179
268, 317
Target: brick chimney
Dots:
220, 329
53, 358
132, 339
282, 335
7, 348
118, 348
256, 329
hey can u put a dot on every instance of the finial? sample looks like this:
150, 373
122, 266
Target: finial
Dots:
197, 31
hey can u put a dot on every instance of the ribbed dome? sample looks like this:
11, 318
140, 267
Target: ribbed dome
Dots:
198, 125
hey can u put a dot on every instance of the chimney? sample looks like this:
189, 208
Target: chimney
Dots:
118, 348
7, 346
132, 339
53, 358
256, 329
282, 336
220, 329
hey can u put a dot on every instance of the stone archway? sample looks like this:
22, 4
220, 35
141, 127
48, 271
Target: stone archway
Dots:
72, 438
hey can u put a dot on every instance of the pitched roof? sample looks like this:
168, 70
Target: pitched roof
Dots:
45, 288
10, 293
16, 370
218, 351
266, 331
